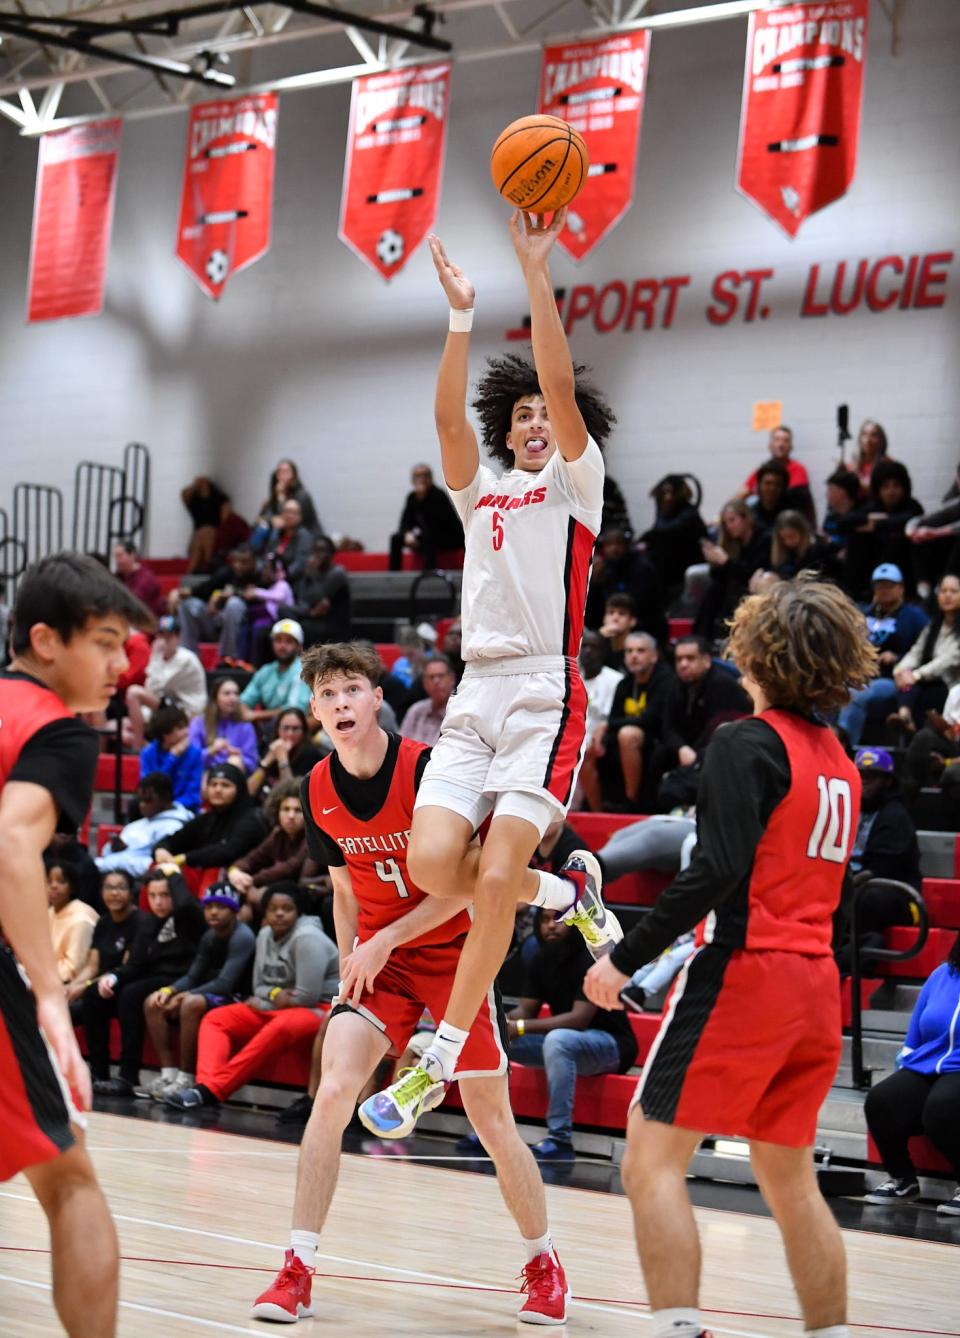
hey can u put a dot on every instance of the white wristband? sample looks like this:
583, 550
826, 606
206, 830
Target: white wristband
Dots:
461, 322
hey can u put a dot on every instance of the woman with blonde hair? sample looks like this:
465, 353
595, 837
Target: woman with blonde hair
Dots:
222, 733
742, 548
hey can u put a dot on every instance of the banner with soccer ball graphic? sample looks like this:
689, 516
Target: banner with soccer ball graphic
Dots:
598, 87
394, 164
227, 199
800, 119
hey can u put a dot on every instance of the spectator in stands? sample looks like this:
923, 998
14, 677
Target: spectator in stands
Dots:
638, 712
780, 449
174, 675
793, 548
71, 920
292, 543
221, 733
923, 1096
292, 753
69, 848
662, 842
428, 524
703, 696
773, 494
932, 665
871, 448
138, 579
277, 685
886, 843
280, 856
876, 527
296, 968
219, 974
673, 541
423, 720
264, 601
619, 620
217, 610
163, 947
935, 536
451, 645
894, 627
284, 484
112, 937
321, 597
131, 850
933, 750
619, 569
575, 1039
743, 547
843, 493
600, 682
171, 752
229, 827
209, 507
615, 515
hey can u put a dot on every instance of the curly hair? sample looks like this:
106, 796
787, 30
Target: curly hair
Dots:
804, 643
512, 378
285, 789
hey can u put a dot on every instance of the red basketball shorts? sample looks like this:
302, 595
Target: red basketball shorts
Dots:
418, 979
749, 1046
35, 1106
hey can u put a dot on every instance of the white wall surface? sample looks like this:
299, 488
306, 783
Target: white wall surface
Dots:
310, 355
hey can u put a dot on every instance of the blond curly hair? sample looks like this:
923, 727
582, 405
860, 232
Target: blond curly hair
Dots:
805, 643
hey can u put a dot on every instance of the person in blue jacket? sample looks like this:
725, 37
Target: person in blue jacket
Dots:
923, 1096
171, 752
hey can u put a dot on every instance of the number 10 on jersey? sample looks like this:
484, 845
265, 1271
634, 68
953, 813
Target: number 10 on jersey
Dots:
830, 837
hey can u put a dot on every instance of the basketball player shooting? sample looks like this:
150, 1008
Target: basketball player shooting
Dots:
398, 952
751, 1037
513, 735
70, 622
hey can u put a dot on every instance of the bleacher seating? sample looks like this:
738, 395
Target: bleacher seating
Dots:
107, 770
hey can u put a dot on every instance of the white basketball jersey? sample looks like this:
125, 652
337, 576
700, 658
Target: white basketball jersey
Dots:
529, 544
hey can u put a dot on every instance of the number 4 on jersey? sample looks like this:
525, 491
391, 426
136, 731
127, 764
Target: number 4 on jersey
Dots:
830, 837
388, 871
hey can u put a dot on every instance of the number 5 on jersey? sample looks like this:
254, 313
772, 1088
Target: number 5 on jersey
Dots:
388, 871
497, 531
830, 837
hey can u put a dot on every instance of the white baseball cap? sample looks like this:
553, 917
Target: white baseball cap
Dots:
288, 627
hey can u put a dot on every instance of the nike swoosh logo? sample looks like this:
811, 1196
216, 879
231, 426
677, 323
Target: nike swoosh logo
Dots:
330, 810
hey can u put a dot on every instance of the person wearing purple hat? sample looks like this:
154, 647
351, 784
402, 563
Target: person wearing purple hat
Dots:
886, 841
218, 974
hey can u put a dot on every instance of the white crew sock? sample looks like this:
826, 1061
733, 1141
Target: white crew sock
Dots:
168, 1075
444, 1050
679, 1322
835, 1331
184, 1077
305, 1244
539, 1245
556, 894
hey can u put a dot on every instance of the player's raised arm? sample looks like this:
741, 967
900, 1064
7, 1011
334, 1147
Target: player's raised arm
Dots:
533, 240
458, 443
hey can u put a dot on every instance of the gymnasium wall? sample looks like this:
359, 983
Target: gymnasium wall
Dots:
310, 355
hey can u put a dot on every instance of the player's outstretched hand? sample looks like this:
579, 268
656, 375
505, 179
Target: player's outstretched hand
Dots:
361, 969
458, 288
602, 984
54, 1021
533, 237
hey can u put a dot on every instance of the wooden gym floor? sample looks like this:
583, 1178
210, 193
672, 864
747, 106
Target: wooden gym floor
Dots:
416, 1249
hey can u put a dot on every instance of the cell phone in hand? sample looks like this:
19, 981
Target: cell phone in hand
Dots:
629, 1003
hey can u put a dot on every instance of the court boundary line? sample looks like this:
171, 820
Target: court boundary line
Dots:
619, 1307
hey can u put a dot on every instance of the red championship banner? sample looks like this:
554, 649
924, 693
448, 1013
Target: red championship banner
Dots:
598, 87
72, 216
800, 119
391, 178
227, 198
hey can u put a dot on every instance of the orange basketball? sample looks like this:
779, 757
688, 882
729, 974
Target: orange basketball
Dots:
539, 163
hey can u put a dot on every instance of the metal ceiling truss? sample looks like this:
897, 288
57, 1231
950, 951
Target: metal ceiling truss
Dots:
93, 49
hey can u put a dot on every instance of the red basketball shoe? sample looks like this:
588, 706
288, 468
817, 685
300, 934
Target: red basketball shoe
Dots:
545, 1285
288, 1299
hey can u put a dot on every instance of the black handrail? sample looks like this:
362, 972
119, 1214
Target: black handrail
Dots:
95, 488
449, 595
37, 520
136, 487
857, 954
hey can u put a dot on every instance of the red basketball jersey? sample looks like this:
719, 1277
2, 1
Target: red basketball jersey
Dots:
802, 857
375, 850
25, 707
